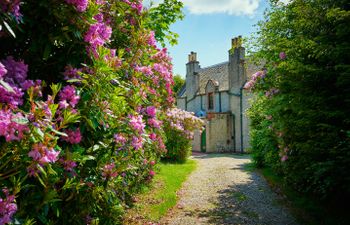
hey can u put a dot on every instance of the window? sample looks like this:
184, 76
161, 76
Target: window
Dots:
211, 100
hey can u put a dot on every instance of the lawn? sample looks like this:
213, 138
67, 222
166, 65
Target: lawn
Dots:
156, 199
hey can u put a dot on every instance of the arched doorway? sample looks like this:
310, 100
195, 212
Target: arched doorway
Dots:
204, 141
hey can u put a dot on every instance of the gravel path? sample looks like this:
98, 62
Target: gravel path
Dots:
222, 191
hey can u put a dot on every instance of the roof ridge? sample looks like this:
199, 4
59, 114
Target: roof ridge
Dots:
215, 65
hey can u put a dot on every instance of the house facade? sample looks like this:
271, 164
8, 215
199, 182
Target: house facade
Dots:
216, 95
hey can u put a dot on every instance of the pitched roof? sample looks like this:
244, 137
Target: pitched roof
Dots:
217, 73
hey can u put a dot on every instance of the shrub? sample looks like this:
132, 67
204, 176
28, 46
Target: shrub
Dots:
179, 127
304, 93
76, 152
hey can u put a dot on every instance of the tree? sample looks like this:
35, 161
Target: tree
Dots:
178, 83
161, 17
304, 95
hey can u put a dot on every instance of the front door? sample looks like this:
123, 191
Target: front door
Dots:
203, 141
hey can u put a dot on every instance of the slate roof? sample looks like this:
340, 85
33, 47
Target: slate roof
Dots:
217, 73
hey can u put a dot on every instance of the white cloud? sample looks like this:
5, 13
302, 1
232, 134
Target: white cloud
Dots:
285, 1
231, 7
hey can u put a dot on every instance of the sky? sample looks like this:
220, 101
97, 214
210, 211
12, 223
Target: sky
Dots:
209, 26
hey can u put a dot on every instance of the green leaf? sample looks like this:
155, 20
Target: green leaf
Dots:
58, 132
9, 29
7, 86
47, 52
50, 170
21, 120
39, 133
73, 80
41, 181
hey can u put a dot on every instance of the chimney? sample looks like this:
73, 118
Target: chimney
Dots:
192, 57
192, 77
236, 64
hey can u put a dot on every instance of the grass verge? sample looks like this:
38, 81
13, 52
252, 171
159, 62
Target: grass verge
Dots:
307, 210
155, 200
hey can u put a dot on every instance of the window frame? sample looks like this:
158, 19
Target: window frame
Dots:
210, 100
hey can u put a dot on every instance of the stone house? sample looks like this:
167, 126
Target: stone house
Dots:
216, 94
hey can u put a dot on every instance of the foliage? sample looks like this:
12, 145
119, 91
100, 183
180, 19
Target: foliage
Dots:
302, 96
178, 83
163, 190
75, 153
179, 129
306, 209
161, 17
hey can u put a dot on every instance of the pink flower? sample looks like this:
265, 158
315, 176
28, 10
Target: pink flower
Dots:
137, 142
51, 155
3, 70
68, 94
34, 154
71, 73
284, 158
69, 165
152, 173
136, 123
80, 5
8, 207
73, 136
282, 55
11, 130
151, 111
41, 153
154, 123
98, 34
152, 162
99, 17
146, 70
108, 171
151, 40
119, 139
153, 136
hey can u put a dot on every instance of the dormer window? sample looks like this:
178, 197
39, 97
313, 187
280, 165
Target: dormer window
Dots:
210, 101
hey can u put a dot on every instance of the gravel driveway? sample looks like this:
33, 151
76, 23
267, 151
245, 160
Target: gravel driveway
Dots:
223, 191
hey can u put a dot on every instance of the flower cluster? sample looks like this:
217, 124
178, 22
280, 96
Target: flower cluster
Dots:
98, 34
108, 171
9, 128
72, 73
282, 55
8, 207
120, 88
68, 165
137, 5
255, 78
73, 136
184, 122
120, 139
68, 97
13, 75
12, 7
136, 123
43, 154
80, 5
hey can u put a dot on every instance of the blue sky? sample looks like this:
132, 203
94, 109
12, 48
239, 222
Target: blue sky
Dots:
208, 27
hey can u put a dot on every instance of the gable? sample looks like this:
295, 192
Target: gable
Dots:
217, 74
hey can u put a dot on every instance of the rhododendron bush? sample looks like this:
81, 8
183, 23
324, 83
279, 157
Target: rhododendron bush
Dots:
179, 127
299, 117
83, 90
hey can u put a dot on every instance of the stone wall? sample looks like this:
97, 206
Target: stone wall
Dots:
219, 132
